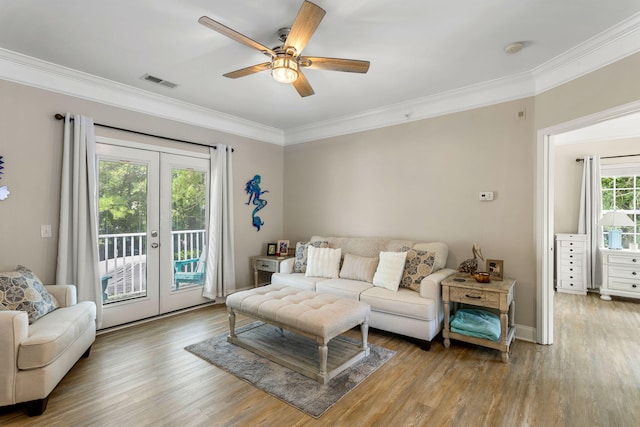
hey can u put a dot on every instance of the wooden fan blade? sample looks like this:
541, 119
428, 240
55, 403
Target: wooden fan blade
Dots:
305, 24
302, 85
335, 64
249, 70
233, 34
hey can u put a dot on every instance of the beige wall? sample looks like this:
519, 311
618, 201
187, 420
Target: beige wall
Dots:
421, 181
608, 87
31, 143
568, 175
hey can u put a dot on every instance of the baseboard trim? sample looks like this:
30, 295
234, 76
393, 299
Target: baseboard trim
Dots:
160, 316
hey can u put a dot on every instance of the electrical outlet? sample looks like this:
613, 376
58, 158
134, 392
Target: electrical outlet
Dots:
486, 196
45, 230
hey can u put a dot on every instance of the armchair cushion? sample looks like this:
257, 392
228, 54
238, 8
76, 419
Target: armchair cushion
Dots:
50, 337
22, 290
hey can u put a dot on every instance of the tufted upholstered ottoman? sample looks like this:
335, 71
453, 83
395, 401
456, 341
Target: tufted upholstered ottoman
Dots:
321, 317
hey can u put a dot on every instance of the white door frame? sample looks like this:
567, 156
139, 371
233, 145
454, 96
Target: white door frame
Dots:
544, 186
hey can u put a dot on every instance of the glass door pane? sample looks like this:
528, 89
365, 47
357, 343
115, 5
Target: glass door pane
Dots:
184, 193
128, 219
122, 225
188, 222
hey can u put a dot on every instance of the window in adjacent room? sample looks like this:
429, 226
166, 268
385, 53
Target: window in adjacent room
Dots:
621, 192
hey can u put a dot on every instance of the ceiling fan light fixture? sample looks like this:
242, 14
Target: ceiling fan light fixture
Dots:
284, 69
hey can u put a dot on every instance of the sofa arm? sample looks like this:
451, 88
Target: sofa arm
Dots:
430, 285
286, 266
65, 294
14, 329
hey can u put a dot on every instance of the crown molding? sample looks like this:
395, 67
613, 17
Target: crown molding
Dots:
616, 43
474, 96
606, 48
45, 75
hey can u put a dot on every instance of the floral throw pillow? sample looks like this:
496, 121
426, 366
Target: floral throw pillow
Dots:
419, 264
302, 253
22, 290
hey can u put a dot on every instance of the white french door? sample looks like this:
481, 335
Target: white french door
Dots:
152, 231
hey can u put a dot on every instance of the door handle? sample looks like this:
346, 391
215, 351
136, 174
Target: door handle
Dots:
154, 245
154, 233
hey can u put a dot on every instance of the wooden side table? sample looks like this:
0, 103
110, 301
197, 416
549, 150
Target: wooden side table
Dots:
461, 288
268, 264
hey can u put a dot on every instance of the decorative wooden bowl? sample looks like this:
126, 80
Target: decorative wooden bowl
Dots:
482, 277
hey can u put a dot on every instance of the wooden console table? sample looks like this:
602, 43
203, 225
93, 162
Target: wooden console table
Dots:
497, 294
267, 264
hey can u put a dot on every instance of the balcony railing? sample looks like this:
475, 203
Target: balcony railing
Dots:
123, 261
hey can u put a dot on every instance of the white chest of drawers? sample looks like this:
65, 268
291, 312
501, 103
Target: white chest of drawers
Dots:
620, 273
571, 263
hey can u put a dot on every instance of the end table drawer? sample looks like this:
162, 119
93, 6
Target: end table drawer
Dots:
271, 266
473, 296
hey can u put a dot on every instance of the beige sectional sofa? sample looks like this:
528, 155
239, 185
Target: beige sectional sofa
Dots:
35, 357
413, 313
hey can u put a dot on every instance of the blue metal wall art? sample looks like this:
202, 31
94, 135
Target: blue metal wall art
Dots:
255, 196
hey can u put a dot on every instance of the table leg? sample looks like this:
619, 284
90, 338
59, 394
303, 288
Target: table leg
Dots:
504, 334
323, 351
364, 328
445, 332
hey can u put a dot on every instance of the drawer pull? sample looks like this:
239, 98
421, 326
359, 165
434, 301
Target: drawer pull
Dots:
634, 286
634, 260
634, 273
476, 296
570, 250
570, 256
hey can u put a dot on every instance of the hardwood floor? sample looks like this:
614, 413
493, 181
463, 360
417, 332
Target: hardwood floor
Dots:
142, 376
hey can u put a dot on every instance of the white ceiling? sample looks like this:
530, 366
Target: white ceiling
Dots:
420, 51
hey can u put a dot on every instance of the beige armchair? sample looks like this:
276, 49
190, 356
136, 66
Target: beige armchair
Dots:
34, 358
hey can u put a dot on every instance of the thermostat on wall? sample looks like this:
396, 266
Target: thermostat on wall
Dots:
486, 195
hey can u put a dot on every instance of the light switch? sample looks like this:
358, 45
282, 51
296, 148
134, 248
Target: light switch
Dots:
45, 230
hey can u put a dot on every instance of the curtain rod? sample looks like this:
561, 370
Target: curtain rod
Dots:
61, 117
612, 157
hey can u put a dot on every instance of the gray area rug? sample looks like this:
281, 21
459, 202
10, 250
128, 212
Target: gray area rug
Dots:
287, 385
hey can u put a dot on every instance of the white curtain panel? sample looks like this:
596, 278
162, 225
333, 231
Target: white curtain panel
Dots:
221, 273
78, 232
590, 213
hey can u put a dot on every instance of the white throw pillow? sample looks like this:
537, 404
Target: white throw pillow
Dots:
390, 269
323, 262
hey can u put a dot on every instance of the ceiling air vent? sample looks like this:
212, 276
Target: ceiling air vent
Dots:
159, 81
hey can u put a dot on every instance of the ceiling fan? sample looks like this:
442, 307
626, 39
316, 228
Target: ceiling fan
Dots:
286, 61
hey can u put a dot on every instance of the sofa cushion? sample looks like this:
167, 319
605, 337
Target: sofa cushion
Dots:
302, 250
419, 264
343, 287
296, 280
404, 302
358, 268
52, 334
389, 271
22, 290
323, 262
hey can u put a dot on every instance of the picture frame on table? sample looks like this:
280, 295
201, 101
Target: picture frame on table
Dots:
272, 249
283, 247
495, 268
